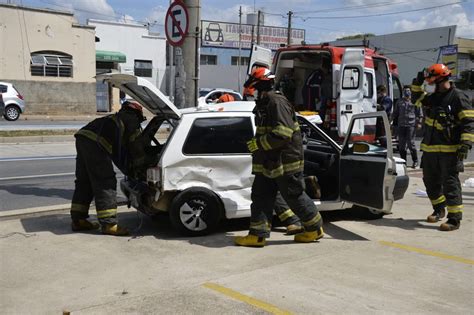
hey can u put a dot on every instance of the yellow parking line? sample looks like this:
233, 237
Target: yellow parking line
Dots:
428, 252
246, 299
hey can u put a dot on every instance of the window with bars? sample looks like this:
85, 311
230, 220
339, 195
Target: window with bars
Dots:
208, 59
143, 68
51, 65
244, 61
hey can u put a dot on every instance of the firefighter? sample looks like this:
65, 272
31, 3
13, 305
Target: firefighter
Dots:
287, 217
277, 162
113, 138
448, 137
225, 98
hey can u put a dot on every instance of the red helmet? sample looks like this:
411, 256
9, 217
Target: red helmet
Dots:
225, 98
437, 73
134, 105
260, 78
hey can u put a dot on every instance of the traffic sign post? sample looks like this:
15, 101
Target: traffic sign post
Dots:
176, 23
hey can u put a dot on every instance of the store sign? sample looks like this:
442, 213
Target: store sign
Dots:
223, 34
449, 56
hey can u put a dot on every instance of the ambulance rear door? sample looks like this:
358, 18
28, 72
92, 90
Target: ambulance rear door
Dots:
259, 56
351, 94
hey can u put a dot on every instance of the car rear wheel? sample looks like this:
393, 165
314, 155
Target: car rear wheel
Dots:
195, 211
12, 112
367, 213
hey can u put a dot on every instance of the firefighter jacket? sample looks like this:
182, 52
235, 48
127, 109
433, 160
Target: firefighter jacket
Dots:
405, 113
119, 136
278, 138
449, 121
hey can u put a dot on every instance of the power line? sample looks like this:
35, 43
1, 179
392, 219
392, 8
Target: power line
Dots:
355, 7
378, 14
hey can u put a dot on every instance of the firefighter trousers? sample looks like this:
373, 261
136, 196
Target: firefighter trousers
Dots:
95, 179
441, 178
406, 138
291, 187
284, 213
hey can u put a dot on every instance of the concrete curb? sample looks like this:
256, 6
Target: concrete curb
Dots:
13, 214
37, 139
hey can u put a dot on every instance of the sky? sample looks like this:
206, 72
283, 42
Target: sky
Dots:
323, 20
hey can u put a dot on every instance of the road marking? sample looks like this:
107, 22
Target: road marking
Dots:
61, 157
36, 176
246, 299
428, 252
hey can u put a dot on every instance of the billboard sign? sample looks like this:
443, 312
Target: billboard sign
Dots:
449, 56
226, 35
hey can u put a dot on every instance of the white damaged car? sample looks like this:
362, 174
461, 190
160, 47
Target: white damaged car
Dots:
203, 169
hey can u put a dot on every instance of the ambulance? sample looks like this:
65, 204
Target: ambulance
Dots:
336, 82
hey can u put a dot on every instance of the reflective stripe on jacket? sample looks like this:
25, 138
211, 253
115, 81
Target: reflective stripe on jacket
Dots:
119, 135
449, 122
278, 137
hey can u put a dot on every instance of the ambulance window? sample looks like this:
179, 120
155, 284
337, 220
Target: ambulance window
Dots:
397, 88
368, 85
350, 79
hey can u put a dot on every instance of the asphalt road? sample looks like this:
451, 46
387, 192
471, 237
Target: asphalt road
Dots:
30, 181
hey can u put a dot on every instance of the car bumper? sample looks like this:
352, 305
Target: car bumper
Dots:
401, 186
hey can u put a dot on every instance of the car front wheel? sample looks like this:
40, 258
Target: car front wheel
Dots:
195, 211
12, 113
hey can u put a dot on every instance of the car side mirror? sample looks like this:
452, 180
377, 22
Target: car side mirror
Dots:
360, 147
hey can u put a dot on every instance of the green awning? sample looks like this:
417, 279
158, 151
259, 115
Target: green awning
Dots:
111, 56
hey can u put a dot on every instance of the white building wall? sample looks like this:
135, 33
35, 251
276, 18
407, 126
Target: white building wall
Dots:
412, 51
136, 43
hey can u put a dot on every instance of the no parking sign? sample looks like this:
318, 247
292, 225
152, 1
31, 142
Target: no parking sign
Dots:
176, 23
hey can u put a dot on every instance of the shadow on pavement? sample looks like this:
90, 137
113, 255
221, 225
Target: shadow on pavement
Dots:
160, 227
410, 225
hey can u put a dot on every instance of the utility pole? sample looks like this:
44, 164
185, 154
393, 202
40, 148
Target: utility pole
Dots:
258, 26
190, 50
240, 48
290, 13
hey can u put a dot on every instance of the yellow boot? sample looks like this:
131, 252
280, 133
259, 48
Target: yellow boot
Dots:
308, 237
83, 225
250, 241
114, 229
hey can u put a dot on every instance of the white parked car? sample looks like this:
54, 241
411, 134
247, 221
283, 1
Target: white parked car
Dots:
209, 96
203, 173
13, 100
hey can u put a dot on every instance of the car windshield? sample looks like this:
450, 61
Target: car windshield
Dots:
203, 92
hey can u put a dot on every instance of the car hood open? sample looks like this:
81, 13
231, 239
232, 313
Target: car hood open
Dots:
144, 92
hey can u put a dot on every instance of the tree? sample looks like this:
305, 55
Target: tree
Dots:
358, 36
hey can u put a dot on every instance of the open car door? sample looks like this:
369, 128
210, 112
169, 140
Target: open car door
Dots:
350, 100
367, 170
259, 56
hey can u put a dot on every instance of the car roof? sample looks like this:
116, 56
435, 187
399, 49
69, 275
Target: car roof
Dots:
217, 89
237, 106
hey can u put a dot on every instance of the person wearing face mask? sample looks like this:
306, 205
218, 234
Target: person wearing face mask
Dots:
447, 139
408, 117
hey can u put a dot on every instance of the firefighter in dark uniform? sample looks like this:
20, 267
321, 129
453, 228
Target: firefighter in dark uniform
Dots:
448, 137
287, 217
111, 139
277, 162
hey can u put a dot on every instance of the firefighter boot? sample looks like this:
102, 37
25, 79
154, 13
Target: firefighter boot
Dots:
83, 225
114, 229
293, 229
308, 237
436, 216
250, 241
450, 225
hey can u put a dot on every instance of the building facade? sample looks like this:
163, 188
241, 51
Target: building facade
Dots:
50, 58
129, 48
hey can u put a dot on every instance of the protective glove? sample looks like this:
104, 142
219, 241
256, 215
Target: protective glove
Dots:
463, 152
252, 145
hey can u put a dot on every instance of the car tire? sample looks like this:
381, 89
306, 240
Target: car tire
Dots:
12, 112
367, 213
195, 211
